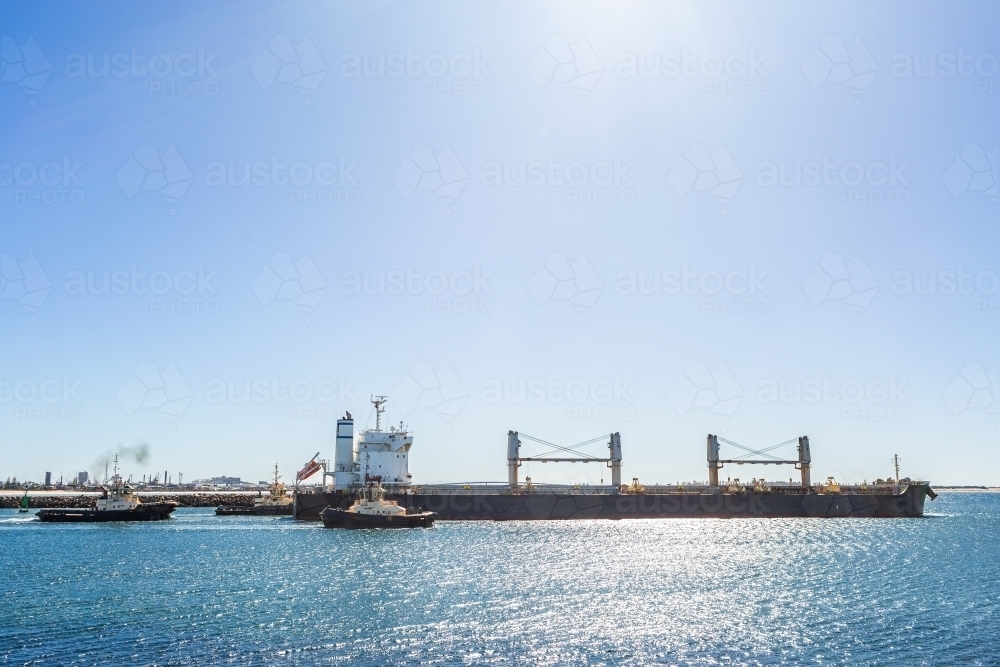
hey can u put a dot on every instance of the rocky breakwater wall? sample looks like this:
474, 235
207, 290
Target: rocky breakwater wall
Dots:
188, 499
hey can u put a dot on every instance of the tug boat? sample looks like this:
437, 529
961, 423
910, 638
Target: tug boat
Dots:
372, 510
117, 503
277, 502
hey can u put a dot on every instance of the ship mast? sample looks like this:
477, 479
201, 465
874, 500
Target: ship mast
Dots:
895, 459
379, 403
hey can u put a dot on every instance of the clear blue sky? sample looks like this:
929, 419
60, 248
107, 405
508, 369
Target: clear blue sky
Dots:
565, 219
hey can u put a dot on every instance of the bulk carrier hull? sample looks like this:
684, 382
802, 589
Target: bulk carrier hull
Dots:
906, 501
381, 456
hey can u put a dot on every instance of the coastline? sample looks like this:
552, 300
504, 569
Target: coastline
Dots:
967, 489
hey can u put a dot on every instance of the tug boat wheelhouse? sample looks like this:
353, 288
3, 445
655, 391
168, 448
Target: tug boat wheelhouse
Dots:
372, 510
117, 503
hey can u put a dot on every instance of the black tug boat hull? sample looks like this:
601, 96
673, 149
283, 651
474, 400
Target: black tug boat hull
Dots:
244, 510
273, 510
234, 510
144, 512
338, 518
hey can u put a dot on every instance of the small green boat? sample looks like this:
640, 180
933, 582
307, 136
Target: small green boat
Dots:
23, 508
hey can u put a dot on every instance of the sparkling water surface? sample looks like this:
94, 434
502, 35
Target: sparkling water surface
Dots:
205, 590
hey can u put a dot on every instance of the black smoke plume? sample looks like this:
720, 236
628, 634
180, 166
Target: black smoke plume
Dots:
139, 454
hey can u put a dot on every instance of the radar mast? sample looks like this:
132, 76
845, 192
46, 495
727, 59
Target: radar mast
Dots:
379, 403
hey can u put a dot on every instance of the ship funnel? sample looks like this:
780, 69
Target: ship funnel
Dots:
344, 461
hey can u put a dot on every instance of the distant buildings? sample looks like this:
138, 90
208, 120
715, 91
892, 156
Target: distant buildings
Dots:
82, 481
223, 482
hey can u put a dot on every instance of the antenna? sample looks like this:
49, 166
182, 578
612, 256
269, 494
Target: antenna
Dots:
379, 403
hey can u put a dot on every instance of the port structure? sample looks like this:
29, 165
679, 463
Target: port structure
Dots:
613, 461
802, 464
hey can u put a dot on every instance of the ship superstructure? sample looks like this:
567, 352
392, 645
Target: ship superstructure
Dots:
382, 454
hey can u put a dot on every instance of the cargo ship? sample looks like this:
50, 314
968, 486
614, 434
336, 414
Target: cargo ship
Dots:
386, 453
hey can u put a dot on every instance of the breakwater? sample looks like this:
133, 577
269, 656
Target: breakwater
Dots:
50, 499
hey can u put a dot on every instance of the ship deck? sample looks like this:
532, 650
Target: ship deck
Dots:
693, 488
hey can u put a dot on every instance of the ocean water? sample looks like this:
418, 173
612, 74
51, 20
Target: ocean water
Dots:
206, 590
